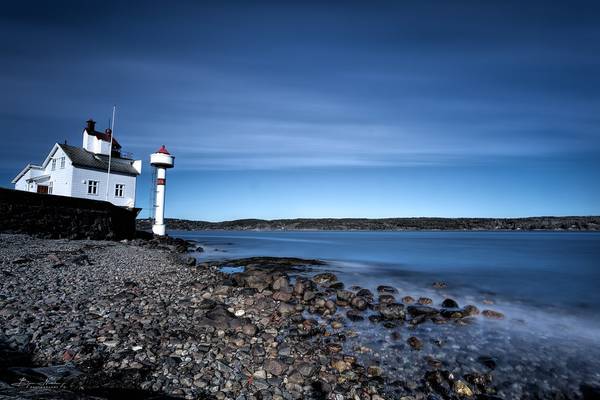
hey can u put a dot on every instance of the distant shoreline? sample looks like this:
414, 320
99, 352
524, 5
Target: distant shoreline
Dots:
550, 224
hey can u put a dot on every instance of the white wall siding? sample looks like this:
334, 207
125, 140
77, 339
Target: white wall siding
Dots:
81, 177
61, 178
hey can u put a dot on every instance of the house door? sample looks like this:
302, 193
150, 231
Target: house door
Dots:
42, 189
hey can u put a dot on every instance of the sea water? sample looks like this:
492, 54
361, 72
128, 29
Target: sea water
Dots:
546, 283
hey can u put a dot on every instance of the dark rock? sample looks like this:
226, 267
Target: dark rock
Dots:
359, 303
325, 277
470, 310
439, 285
451, 313
417, 310
336, 285
449, 303
282, 296
492, 314
364, 293
479, 380
249, 330
281, 284
275, 367
309, 295
354, 315
392, 311
424, 301
415, 342
386, 289
408, 300
344, 295
387, 298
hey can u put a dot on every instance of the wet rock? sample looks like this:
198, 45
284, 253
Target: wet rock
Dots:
325, 277
341, 365
364, 293
375, 318
392, 311
336, 286
354, 315
492, 314
439, 285
462, 389
190, 261
449, 303
281, 284
337, 324
333, 347
452, 314
470, 310
415, 342
424, 301
282, 296
418, 310
478, 380
308, 296
359, 303
387, 298
374, 371
344, 295
386, 289
299, 287
408, 300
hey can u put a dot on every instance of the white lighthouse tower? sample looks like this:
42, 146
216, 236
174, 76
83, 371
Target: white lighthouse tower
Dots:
161, 160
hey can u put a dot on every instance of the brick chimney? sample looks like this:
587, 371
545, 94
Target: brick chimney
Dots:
91, 126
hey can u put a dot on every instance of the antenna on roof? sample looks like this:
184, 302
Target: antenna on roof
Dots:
112, 130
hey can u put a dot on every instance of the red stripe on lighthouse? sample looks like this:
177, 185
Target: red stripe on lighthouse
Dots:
161, 181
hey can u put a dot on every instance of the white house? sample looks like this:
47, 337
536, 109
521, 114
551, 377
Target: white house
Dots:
83, 171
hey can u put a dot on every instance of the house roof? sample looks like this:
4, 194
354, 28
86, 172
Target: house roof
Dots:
24, 171
85, 159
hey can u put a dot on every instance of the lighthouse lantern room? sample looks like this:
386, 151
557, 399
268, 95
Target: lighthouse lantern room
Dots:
161, 160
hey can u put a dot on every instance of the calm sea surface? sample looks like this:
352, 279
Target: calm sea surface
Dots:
546, 283
547, 269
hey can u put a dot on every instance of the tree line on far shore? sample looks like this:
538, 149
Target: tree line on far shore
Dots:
389, 224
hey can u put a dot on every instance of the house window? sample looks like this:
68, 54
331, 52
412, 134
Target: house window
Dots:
50, 185
53, 164
62, 162
119, 190
92, 187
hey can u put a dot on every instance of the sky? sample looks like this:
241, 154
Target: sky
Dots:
281, 109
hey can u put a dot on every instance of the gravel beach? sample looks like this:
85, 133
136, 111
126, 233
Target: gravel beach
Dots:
109, 319
142, 319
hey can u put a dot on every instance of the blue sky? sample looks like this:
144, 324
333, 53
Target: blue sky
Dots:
313, 109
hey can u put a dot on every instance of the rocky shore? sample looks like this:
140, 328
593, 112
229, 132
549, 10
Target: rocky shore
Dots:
143, 319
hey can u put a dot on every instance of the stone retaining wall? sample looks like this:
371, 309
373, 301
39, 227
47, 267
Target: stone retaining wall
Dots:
64, 217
